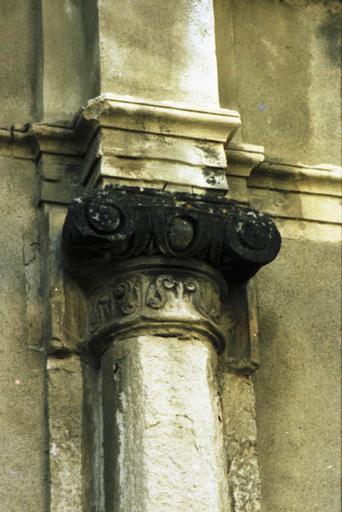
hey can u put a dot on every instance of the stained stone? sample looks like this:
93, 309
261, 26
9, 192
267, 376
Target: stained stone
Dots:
158, 276
181, 233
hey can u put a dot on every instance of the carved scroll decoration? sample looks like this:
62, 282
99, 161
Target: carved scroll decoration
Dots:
121, 223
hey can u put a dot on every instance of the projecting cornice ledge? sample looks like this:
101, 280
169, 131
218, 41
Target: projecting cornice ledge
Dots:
120, 223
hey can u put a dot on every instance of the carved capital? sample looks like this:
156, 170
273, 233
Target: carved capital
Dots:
160, 262
121, 223
167, 298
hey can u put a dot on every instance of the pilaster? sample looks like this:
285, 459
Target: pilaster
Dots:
159, 52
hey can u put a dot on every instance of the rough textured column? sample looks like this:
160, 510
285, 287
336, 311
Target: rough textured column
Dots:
162, 417
155, 269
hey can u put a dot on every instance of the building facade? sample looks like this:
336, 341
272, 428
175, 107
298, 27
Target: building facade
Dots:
159, 350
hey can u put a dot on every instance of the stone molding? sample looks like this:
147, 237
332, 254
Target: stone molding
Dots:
137, 115
153, 143
109, 111
249, 163
241, 159
305, 200
116, 139
15, 142
322, 179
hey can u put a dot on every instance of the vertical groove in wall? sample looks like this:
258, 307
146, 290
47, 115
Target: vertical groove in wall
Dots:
38, 90
90, 24
92, 439
225, 52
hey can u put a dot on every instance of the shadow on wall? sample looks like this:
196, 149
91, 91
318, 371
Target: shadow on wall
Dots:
331, 31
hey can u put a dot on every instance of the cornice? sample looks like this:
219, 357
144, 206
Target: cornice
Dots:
72, 140
242, 158
249, 162
17, 142
321, 179
306, 198
118, 139
31, 140
108, 111
158, 118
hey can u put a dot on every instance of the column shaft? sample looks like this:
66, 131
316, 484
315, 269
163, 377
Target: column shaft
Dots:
163, 426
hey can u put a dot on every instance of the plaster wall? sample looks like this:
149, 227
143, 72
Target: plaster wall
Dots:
298, 397
23, 470
70, 57
279, 66
20, 62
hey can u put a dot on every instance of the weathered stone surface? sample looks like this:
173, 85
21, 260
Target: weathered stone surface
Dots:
147, 289
65, 434
304, 199
240, 318
20, 62
151, 295
136, 305
241, 159
279, 64
163, 426
237, 396
298, 392
92, 439
159, 51
285, 78
70, 56
160, 142
120, 223
23, 474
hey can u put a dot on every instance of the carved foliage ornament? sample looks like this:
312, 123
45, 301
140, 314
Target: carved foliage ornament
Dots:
151, 298
120, 223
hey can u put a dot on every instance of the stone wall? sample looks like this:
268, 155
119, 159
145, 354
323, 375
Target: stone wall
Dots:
278, 65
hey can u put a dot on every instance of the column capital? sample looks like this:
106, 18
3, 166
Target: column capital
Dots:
119, 223
158, 297
160, 262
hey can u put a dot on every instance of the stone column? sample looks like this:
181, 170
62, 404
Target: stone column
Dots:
162, 418
155, 269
